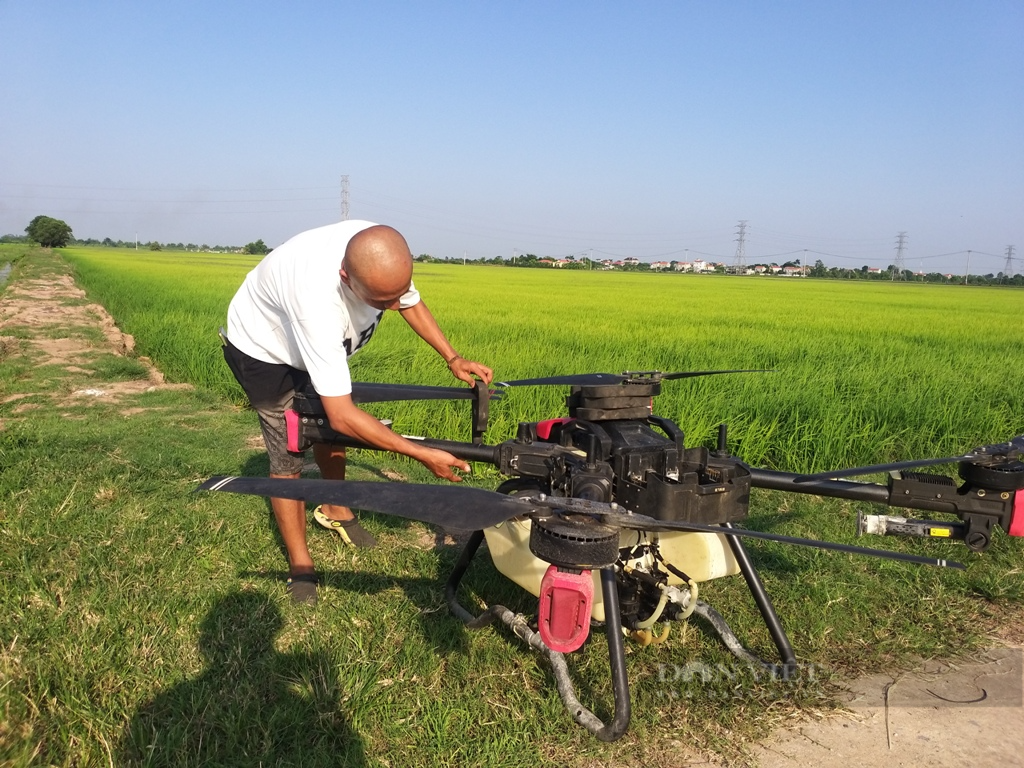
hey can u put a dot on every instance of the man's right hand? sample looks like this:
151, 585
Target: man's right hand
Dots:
441, 463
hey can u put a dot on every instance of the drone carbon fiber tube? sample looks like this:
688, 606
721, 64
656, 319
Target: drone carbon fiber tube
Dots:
839, 489
487, 454
761, 599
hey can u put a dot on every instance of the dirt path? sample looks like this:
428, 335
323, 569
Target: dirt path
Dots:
38, 305
944, 714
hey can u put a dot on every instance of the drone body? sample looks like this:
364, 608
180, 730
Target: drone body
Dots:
610, 519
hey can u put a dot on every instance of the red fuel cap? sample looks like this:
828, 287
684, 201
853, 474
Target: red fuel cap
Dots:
564, 614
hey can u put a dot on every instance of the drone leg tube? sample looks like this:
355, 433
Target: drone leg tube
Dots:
452, 587
616, 657
764, 603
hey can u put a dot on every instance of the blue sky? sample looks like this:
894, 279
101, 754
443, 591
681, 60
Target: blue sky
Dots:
643, 129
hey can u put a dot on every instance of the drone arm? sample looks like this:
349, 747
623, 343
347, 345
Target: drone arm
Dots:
978, 508
839, 489
487, 454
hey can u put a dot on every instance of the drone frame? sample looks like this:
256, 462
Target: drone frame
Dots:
626, 398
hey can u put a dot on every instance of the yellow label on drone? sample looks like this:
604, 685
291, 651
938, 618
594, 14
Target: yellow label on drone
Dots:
942, 533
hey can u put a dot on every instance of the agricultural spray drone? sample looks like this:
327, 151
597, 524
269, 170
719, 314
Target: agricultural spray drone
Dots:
609, 518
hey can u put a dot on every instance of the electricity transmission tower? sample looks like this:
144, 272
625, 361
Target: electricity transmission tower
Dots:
1008, 267
344, 197
901, 245
740, 266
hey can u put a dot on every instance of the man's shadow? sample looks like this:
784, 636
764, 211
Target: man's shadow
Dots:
251, 706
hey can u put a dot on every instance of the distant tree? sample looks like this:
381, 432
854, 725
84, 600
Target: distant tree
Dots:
48, 232
154, 245
259, 248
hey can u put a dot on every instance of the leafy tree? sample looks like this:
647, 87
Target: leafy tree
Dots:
154, 246
48, 232
259, 248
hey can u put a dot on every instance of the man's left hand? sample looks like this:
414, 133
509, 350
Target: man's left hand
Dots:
465, 370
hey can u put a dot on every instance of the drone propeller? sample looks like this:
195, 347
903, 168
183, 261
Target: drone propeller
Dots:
450, 506
985, 455
598, 379
363, 392
462, 508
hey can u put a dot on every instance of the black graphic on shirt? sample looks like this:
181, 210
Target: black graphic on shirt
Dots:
363, 337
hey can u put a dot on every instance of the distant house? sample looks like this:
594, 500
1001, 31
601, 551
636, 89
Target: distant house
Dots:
631, 261
792, 271
659, 265
874, 270
683, 266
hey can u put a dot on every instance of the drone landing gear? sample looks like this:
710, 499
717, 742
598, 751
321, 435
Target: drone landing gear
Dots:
764, 605
613, 629
519, 626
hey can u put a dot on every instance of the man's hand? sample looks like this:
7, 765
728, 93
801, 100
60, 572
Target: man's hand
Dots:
441, 464
464, 370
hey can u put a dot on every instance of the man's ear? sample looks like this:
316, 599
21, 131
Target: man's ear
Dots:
344, 276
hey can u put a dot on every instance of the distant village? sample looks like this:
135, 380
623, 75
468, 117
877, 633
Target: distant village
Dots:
626, 264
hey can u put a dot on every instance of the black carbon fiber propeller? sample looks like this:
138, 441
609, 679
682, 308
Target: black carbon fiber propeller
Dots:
985, 455
450, 506
463, 508
598, 379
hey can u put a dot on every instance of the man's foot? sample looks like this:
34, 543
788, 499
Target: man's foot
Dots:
302, 588
351, 532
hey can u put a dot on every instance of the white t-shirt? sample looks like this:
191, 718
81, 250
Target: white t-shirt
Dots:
294, 309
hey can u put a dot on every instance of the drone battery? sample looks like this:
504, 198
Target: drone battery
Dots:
566, 600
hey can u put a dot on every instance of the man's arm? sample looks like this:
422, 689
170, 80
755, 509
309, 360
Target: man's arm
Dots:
346, 417
420, 320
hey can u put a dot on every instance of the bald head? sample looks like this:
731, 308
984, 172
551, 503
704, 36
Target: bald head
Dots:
377, 266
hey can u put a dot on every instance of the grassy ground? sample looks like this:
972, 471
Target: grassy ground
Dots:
143, 624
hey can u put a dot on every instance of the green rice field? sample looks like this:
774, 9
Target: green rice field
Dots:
143, 624
856, 372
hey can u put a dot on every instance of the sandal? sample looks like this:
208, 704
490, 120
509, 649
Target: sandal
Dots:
350, 531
